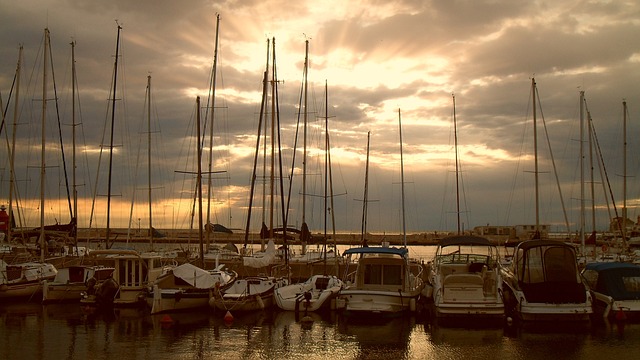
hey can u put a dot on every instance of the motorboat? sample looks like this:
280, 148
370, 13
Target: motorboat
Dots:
383, 281
312, 295
24, 280
187, 287
615, 287
71, 281
464, 278
247, 294
543, 283
133, 272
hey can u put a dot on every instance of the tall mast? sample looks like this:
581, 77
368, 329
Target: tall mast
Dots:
213, 107
404, 224
535, 151
199, 182
365, 198
12, 175
113, 119
582, 207
304, 152
624, 173
273, 142
149, 158
263, 105
331, 206
455, 142
44, 138
73, 140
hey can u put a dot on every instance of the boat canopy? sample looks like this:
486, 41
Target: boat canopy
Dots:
621, 281
528, 244
464, 240
378, 250
195, 276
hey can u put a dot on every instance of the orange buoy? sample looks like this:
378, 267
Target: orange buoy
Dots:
605, 248
228, 318
166, 321
620, 315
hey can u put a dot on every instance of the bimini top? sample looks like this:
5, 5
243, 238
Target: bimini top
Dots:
464, 240
377, 250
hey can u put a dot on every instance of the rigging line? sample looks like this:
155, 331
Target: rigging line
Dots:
64, 162
553, 162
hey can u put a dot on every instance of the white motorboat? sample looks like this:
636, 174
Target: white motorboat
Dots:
543, 283
70, 282
384, 281
465, 280
312, 295
615, 287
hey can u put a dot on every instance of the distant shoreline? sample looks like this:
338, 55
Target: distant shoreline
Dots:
183, 236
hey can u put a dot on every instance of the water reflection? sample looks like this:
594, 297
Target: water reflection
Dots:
33, 331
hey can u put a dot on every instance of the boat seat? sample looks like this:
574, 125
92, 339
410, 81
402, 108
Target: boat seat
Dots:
322, 283
464, 279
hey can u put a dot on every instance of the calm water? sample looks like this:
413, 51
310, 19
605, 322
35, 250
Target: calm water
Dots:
33, 331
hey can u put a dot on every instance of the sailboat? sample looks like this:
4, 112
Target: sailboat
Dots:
319, 290
385, 280
24, 280
542, 282
187, 286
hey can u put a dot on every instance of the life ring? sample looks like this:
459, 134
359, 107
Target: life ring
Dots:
605, 248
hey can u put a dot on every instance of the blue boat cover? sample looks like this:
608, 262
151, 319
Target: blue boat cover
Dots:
618, 280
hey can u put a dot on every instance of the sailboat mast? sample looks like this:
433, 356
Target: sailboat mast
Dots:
404, 224
365, 198
263, 105
273, 141
304, 136
199, 182
213, 107
113, 119
331, 206
73, 141
582, 207
455, 144
624, 162
535, 151
44, 138
13, 145
149, 159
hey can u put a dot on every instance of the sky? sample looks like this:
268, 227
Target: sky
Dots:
387, 65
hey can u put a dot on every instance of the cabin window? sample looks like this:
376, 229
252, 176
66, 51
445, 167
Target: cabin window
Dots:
373, 274
631, 284
383, 274
559, 264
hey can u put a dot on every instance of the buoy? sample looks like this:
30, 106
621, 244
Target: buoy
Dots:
228, 318
166, 321
620, 315
605, 248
